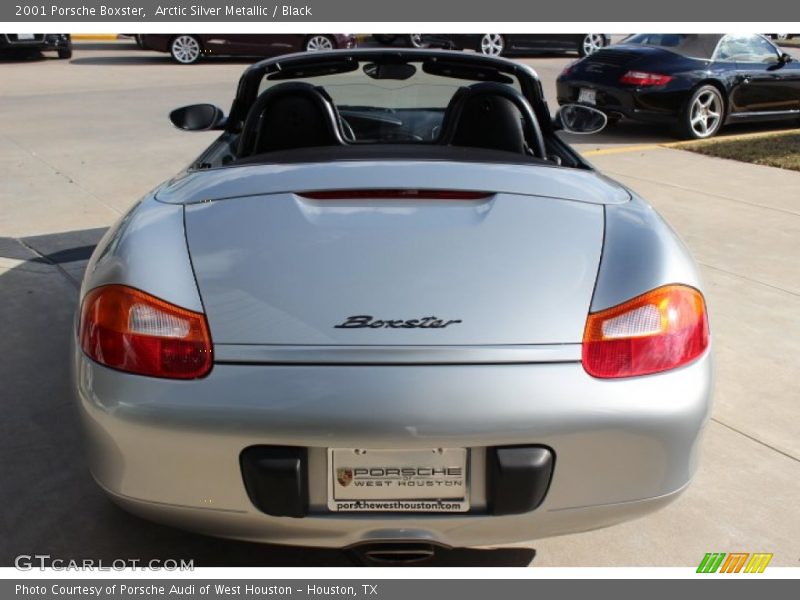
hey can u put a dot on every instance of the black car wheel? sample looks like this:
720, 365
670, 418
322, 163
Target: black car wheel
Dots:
492, 44
185, 49
65, 52
591, 43
703, 114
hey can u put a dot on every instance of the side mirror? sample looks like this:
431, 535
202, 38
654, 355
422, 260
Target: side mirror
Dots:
579, 118
785, 58
198, 117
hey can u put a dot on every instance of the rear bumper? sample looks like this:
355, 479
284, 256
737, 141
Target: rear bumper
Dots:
170, 450
47, 41
651, 106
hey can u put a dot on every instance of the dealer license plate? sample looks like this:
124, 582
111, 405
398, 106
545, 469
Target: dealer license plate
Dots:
587, 96
369, 480
25, 36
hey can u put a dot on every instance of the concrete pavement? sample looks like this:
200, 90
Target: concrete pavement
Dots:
80, 142
742, 223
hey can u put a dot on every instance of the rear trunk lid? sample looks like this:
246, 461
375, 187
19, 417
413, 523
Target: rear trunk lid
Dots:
279, 267
609, 64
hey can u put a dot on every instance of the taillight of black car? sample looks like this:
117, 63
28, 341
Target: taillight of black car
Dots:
644, 79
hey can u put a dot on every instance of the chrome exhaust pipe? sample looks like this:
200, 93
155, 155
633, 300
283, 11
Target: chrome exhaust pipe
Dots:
394, 553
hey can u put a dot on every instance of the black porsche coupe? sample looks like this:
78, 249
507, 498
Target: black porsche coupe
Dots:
696, 82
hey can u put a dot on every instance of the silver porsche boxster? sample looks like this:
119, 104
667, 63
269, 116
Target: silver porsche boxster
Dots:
390, 304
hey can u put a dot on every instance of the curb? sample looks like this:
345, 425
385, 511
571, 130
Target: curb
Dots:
94, 37
689, 143
732, 138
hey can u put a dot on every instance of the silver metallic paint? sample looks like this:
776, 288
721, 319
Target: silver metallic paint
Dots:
372, 354
146, 249
281, 269
169, 449
547, 181
641, 252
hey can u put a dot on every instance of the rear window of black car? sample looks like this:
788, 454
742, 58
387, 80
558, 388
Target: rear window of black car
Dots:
685, 44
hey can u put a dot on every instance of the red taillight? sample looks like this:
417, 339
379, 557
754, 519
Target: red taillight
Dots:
395, 194
126, 329
660, 330
640, 78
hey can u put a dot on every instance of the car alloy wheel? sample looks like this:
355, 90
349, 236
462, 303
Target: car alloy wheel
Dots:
492, 44
705, 112
591, 43
185, 49
415, 39
317, 43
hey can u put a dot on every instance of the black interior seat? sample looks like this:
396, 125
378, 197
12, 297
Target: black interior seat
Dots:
494, 116
289, 115
492, 122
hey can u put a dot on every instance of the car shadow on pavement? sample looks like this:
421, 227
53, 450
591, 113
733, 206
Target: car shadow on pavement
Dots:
51, 505
130, 54
149, 57
26, 57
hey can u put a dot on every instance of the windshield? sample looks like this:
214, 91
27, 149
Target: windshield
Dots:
685, 44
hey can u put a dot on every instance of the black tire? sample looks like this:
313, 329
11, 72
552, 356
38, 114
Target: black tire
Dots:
591, 43
185, 49
703, 114
65, 52
319, 43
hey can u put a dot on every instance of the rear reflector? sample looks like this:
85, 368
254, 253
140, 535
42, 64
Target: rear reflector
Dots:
126, 329
660, 330
394, 194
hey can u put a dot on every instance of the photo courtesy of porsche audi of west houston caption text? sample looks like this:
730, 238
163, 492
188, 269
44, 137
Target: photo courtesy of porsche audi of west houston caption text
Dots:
390, 304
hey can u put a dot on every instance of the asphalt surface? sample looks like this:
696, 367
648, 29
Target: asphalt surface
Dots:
81, 140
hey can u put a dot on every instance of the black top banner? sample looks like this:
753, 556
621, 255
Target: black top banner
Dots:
441, 11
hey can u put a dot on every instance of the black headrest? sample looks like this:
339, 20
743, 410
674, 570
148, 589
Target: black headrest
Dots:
293, 114
492, 115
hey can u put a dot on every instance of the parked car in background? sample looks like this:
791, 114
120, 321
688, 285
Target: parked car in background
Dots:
695, 82
28, 43
189, 48
403, 39
507, 44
